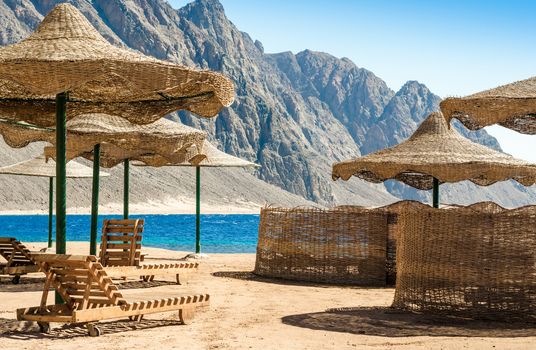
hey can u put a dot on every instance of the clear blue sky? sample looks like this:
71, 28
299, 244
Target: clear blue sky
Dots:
455, 47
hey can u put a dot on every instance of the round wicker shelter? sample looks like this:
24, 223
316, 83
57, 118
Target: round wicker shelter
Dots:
40, 167
213, 158
67, 63
476, 261
512, 106
437, 154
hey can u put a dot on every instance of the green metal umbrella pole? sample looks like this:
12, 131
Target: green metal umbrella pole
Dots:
61, 181
50, 209
126, 171
435, 193
197, 210
95, 200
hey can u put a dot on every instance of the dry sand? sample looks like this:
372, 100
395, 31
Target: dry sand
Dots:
249, 312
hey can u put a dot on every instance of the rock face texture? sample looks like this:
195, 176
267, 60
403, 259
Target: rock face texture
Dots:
295, 114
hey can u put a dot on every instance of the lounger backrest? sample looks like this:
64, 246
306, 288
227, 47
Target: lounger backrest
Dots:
80, 280
121, 242
15, 253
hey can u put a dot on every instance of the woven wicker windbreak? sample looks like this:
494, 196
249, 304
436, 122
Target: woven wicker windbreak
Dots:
155, 144
477, 262
40, 167
342, 245
66, 53
512, 106
434, 150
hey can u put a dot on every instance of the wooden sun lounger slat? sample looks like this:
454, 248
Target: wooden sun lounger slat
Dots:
91, 304
124, 229
121, 253
19, 260
150, 269
126, 233
122, 238
122, 245
122, 221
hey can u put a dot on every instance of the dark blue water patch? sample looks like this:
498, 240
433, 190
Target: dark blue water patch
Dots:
219, 233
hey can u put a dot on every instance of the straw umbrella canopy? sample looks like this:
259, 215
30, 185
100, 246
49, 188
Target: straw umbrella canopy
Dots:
109, 140
154, 144
512, 106
66, 53
214, 158
66, 59
40, 167
436, 154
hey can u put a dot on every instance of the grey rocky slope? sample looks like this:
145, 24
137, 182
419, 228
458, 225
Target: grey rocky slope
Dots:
295, 114
220, 187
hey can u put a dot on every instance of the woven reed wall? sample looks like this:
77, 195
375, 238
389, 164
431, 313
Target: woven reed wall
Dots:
477, 262
345, 245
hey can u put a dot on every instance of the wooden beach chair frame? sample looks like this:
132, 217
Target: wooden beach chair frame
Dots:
19, 259
121, 242
120, 253
91, 296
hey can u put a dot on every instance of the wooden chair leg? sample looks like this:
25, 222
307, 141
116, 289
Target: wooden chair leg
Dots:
187, 315
137, 318
44, 327
93, 330
16, 279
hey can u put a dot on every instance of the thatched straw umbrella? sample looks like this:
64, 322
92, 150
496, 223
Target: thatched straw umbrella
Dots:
40, 167
512, 106
214, 159
109, 140
67, 60
436, 154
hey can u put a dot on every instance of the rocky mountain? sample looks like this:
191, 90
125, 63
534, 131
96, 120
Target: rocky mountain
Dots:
295, 114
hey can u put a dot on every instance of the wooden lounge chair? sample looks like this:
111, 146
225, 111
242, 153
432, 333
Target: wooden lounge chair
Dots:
121, 242
90, 296
19, 260
120, 253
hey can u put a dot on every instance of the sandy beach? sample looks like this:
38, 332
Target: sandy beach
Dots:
249, 312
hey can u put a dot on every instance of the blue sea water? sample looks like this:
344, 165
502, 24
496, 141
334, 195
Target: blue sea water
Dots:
219, 233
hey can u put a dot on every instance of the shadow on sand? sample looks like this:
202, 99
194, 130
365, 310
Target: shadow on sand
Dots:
36, 284
26, 284
133, 284
387, 322
250, 276
24, 330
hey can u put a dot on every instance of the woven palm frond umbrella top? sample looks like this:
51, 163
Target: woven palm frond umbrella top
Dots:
512, 106
66, 53
155, 144
216, 158
40, 167
437, 151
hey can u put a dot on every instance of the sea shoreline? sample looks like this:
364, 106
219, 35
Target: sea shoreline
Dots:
176, 208
150, 247
220, 233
